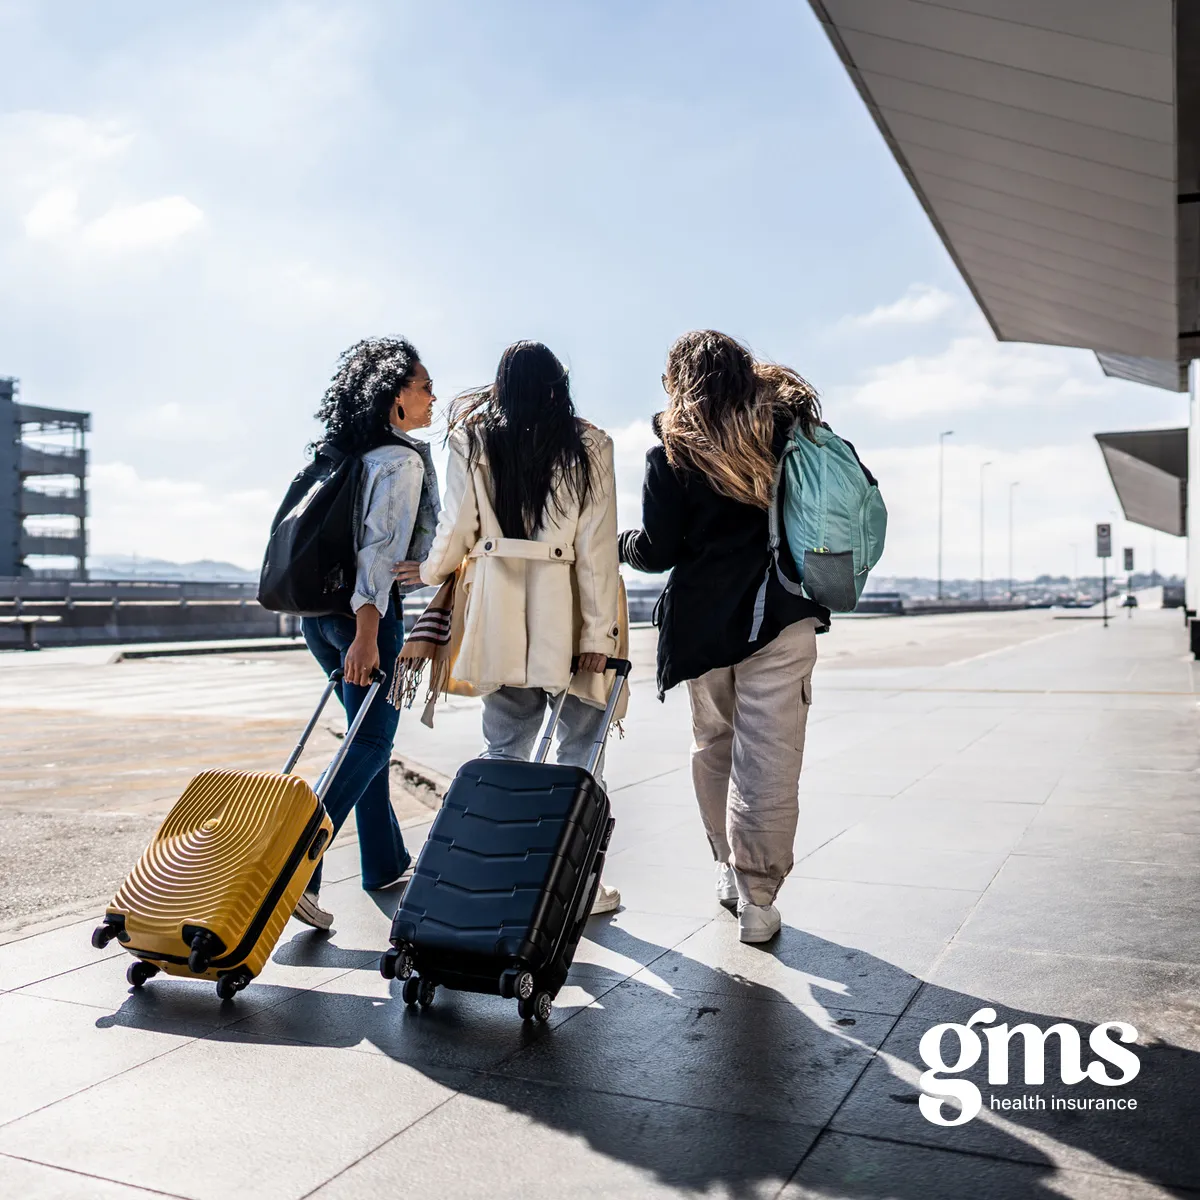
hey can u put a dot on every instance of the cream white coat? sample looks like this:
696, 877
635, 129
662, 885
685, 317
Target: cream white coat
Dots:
529, 607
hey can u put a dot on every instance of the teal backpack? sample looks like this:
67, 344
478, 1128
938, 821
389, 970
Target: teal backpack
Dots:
833, 517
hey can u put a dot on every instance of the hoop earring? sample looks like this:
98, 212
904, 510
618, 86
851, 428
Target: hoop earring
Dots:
400, 411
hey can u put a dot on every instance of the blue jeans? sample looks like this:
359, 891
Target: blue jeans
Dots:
362, 782
513, 718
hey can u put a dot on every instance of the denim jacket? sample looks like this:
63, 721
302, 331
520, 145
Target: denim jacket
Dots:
398, 508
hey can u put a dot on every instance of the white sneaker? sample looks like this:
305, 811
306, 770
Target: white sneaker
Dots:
757, 922
727, 893
607, 900
311, 913
405, 877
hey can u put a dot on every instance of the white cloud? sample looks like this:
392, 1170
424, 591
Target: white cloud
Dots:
629, 458
921, 304
54, 217
140, 226
44, 150
58, 165
970, 373
176, 519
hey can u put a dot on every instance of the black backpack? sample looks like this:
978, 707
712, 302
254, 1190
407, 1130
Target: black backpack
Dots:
311, 560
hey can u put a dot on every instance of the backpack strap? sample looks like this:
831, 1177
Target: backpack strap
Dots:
760, 600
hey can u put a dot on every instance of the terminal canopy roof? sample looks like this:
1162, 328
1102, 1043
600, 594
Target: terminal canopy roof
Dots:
1054, 146
1149, 470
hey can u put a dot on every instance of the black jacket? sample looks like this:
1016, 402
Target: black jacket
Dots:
717, 552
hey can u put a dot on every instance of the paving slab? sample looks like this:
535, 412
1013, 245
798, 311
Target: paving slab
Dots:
220, 1117
49, 1067
848, 1166
35, 1181
543, 1142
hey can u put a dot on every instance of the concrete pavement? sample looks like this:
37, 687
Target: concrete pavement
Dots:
1014, 828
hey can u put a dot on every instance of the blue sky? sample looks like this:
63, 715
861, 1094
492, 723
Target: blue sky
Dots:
201, 205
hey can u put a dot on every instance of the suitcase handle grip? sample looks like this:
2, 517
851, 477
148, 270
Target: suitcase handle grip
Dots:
335, 677
622, 666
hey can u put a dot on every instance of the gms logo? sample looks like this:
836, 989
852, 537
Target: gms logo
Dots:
938, 1090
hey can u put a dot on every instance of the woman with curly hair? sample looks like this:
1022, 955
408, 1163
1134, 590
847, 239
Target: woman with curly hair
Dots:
531, 507
746, 650
380, 393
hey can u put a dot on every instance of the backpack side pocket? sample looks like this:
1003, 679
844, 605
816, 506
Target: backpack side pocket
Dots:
829, 579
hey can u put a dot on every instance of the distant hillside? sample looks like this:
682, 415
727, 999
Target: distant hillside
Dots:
126, 566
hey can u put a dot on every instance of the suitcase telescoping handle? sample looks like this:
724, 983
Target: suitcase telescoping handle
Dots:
622, 666
326, 779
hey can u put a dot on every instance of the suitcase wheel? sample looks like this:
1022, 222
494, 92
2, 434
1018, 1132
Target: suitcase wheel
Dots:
204, 945
536, 1007
229, 984
103, 934
139, 972
396, 964
518, 983
419, 991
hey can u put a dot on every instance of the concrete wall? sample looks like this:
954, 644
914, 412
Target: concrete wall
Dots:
110, 612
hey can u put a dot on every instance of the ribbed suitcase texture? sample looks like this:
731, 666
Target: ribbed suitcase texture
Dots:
232, 858
212, 892
506, 878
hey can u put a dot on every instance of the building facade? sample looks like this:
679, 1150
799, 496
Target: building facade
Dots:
43, 486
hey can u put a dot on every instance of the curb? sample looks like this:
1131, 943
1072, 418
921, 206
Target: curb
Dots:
229, 646
422, 775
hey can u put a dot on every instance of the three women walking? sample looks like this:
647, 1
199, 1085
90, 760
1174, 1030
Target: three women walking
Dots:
528, 527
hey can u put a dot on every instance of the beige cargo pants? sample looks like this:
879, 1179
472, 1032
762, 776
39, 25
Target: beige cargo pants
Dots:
748, 724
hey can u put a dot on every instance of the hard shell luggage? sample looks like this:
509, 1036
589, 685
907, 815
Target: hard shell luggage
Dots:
506, 879
211, 894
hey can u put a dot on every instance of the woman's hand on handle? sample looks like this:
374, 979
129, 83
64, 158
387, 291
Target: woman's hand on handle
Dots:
407, 572
596, 663
362, 658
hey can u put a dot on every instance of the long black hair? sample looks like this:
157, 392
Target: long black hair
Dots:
526, 425
358, 402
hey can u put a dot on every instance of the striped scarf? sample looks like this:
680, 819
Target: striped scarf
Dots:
435, 639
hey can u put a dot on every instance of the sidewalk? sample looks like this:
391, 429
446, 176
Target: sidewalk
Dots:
1018, 831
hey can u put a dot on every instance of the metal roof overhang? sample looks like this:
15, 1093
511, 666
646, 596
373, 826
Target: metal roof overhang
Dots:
1054, 146
1149, 470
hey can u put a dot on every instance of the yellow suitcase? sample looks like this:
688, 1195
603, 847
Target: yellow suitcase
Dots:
211, 894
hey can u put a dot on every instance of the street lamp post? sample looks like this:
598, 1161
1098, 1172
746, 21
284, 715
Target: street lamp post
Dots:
983, 467
941, 489
1012, 487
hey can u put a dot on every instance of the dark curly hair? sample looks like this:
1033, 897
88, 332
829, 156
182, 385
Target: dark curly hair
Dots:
360, 396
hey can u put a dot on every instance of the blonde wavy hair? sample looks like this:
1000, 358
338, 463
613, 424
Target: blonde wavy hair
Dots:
723, 411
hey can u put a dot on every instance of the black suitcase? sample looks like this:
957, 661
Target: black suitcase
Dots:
506, 879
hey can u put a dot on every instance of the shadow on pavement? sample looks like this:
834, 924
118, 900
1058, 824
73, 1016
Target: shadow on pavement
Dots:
701, 1076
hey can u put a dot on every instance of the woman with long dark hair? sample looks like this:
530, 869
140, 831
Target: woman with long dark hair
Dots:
380, 393
530, 505
746, 654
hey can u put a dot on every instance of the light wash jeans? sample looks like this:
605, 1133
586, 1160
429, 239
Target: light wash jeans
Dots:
362, 783
513, 718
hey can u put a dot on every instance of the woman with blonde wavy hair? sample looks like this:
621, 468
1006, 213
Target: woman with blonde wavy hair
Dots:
746, 653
